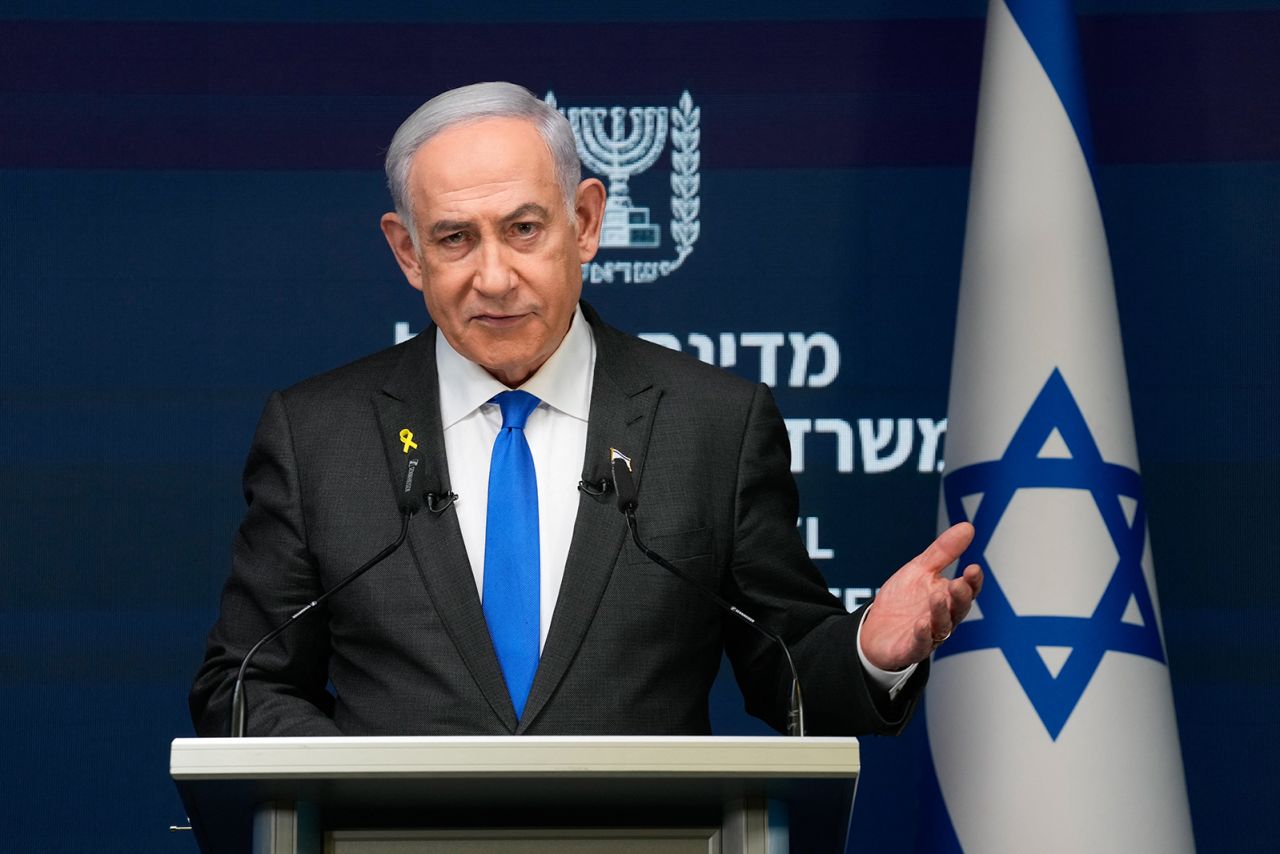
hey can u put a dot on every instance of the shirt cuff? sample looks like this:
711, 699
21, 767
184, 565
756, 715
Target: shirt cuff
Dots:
887, 680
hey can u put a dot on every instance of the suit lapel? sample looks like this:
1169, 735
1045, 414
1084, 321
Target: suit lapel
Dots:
410, 400
623, 402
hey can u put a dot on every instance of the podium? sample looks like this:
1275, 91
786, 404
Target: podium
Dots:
517, 794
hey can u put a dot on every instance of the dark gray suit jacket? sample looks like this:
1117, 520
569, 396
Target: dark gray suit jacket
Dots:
631, 649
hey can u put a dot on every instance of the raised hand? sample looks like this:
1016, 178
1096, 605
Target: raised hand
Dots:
917, 608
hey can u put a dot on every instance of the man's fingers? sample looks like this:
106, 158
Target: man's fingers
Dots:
940, 615
973, 577
945, 550
925, 634
961, 599
961, 593
916, 611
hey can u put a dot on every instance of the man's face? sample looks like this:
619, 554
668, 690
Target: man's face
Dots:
498, 257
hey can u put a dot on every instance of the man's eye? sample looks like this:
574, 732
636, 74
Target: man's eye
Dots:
525, 229
454, 239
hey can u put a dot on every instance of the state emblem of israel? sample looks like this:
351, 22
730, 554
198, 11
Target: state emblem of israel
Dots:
619, 143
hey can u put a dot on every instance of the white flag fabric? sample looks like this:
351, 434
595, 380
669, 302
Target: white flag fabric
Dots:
1049, 711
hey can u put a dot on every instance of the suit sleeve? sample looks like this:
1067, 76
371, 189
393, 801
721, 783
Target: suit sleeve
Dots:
272, 576
771, 575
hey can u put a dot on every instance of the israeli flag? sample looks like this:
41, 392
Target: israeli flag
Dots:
1049, 711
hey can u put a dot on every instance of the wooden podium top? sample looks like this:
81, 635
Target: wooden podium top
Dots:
458, 757
529, 780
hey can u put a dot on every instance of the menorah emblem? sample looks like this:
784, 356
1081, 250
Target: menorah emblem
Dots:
619, 154
618, 143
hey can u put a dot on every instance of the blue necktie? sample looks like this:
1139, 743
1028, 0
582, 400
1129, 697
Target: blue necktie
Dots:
511, 551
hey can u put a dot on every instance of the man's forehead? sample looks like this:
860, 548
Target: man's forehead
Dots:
491, 151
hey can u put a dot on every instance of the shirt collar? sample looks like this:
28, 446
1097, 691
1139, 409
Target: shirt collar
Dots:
563, 382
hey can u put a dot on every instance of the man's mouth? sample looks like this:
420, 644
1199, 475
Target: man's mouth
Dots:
499, 321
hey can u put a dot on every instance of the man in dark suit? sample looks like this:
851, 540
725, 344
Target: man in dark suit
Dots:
492, 224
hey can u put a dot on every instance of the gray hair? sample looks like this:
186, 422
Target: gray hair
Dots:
472, 103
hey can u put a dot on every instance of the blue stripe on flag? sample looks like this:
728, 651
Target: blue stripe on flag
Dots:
1049, 26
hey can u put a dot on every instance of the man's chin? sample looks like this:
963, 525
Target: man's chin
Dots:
509, 368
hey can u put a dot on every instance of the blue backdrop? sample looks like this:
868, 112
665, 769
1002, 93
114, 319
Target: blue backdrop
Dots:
188, 219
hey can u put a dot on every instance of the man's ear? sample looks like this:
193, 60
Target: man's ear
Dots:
589, 209
401, 242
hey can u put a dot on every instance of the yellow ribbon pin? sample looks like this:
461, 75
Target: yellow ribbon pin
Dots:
406, 436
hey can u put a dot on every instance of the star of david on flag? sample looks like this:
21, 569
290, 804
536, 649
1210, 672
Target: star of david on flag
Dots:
1049, 712
1055, 656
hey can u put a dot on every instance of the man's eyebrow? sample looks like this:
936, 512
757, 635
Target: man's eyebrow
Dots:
448, 226
528, 209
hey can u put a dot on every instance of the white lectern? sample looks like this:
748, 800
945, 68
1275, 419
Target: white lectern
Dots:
517, 795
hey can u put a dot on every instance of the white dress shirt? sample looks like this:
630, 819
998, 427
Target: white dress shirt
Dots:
557, 436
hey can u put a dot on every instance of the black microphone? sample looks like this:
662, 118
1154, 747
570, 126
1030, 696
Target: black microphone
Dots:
438, 502
409, 502
625, 487
594, 488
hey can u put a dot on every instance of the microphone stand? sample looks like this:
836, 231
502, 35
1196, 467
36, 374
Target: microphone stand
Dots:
238, 693
626, 491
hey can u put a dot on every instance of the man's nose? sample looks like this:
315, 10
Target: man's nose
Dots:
494, 274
